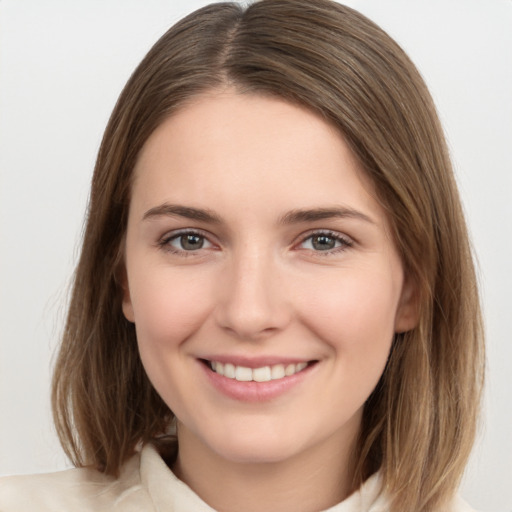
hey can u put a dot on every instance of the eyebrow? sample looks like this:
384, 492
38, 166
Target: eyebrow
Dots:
314, 214
292, 217
172, 210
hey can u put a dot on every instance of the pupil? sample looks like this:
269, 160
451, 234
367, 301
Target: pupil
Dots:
191, 242
323, 242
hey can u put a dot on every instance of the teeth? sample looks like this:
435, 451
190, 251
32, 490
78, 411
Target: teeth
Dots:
263, 374
290, 370
277, 371
301, 366
243, 374
229, 370
219, 368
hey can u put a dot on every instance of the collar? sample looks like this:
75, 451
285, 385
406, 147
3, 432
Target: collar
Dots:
169, 494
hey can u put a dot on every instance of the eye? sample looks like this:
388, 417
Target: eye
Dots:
186, 241
325, 242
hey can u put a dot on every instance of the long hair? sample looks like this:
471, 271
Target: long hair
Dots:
419, 423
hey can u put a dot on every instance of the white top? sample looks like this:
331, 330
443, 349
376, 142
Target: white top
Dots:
145, 484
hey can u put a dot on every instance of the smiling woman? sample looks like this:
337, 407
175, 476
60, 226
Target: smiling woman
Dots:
275, 302
275, 305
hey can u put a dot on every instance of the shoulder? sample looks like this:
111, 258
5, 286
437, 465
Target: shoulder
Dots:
74, 490
372, 498
459, 505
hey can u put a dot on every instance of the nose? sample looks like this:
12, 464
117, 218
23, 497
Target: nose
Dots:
253, 303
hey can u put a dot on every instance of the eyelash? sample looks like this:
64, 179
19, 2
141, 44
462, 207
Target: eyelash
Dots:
165, 242
345, 242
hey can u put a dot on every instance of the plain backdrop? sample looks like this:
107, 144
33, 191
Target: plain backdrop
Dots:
62, 66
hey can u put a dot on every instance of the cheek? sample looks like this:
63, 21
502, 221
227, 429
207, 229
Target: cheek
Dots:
354, 318
168, 308
355, 315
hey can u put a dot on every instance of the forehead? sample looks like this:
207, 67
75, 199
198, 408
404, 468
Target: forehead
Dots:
224, 144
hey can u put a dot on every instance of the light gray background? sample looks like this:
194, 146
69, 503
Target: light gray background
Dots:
62, 66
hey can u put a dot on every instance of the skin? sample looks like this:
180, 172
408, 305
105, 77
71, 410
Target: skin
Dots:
264, 283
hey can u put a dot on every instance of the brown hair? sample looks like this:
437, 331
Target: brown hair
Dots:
419, 423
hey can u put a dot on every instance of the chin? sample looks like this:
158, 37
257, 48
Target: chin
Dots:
254, 453
256, 447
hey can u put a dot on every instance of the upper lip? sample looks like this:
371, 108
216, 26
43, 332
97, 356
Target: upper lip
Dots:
256, 362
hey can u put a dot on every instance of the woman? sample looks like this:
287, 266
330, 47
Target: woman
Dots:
276, 264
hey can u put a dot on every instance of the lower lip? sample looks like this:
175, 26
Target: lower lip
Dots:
255, 391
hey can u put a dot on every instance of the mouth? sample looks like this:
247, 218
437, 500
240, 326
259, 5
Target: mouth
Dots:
261, 374
257, 380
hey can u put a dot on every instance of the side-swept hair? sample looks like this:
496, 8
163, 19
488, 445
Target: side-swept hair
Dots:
419, 423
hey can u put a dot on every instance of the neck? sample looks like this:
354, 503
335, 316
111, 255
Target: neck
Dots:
315, 479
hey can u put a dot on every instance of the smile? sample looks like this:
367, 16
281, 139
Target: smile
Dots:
262, 374
257, 379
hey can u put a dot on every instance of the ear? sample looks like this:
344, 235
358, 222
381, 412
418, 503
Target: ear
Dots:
127, 300
408, 311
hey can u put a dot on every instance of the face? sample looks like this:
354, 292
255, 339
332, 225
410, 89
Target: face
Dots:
261, 277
